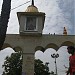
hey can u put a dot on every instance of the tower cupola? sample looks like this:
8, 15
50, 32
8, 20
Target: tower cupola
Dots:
31, 21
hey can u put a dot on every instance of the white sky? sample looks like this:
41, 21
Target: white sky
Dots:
59, 13
61, 60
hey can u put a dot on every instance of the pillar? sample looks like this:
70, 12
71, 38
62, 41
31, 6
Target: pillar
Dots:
28, 64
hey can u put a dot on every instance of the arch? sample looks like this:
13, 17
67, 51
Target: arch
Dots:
17, 49
5, 45
67, 43
39, 48
52, 45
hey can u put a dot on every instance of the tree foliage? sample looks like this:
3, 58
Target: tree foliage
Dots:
40, 68
13, 65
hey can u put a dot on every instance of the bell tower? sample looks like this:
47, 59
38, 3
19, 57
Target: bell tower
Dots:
31, 21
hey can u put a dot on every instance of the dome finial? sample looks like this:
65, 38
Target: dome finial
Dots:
33, 2
65, 31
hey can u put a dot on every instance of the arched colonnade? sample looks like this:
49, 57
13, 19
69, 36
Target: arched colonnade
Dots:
30, 44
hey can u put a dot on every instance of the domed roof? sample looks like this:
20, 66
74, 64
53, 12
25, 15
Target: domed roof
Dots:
31, 8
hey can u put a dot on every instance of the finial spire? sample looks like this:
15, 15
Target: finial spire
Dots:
65, 31
33, 2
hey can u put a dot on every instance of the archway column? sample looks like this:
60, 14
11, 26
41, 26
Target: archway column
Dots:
28, 64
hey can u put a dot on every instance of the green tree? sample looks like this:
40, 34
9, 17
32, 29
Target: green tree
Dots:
13, 65
40, 68
5, 13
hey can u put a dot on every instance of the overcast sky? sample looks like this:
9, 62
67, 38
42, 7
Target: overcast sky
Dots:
59, 14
